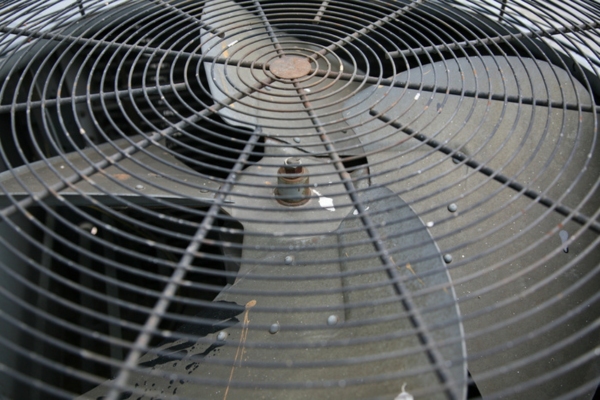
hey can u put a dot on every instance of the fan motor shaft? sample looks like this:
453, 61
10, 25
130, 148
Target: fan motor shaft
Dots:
292, 183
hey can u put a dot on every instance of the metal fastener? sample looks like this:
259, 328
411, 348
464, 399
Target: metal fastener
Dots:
288, 260
292, 183
448, 258
332, 320
274, 328
222, 336
452, 207
297, 139
292, 165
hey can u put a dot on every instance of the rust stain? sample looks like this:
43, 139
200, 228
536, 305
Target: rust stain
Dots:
241, 345
410, 268
121, 177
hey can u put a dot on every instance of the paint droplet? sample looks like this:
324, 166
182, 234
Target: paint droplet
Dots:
564, 237
274, 328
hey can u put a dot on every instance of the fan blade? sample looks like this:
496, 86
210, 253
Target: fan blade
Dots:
147, 178
532, 145
342, 325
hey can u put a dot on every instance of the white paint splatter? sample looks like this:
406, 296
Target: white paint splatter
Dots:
356, 211
325, 202
404, 395
430, 224
232, 43
417, 96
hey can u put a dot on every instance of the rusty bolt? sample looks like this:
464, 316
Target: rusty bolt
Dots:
293, 165
292, 183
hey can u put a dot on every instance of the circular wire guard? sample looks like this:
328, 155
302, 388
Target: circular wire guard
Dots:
318, 199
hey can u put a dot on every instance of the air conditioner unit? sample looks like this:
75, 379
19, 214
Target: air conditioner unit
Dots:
234, 199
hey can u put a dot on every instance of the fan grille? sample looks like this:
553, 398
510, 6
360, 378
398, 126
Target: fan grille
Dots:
255, 198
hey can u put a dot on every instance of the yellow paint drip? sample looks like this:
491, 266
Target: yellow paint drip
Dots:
241, 345
410, 268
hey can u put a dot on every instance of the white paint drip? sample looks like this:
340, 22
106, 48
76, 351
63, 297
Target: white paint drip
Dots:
325, 202
564, 237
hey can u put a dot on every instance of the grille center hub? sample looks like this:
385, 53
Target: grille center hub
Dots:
290, 67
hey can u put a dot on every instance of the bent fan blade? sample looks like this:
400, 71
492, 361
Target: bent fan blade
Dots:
234, 199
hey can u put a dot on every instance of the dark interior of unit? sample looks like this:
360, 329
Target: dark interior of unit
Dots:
73, 269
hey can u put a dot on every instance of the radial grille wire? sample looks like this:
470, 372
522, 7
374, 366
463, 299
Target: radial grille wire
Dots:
234, 199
